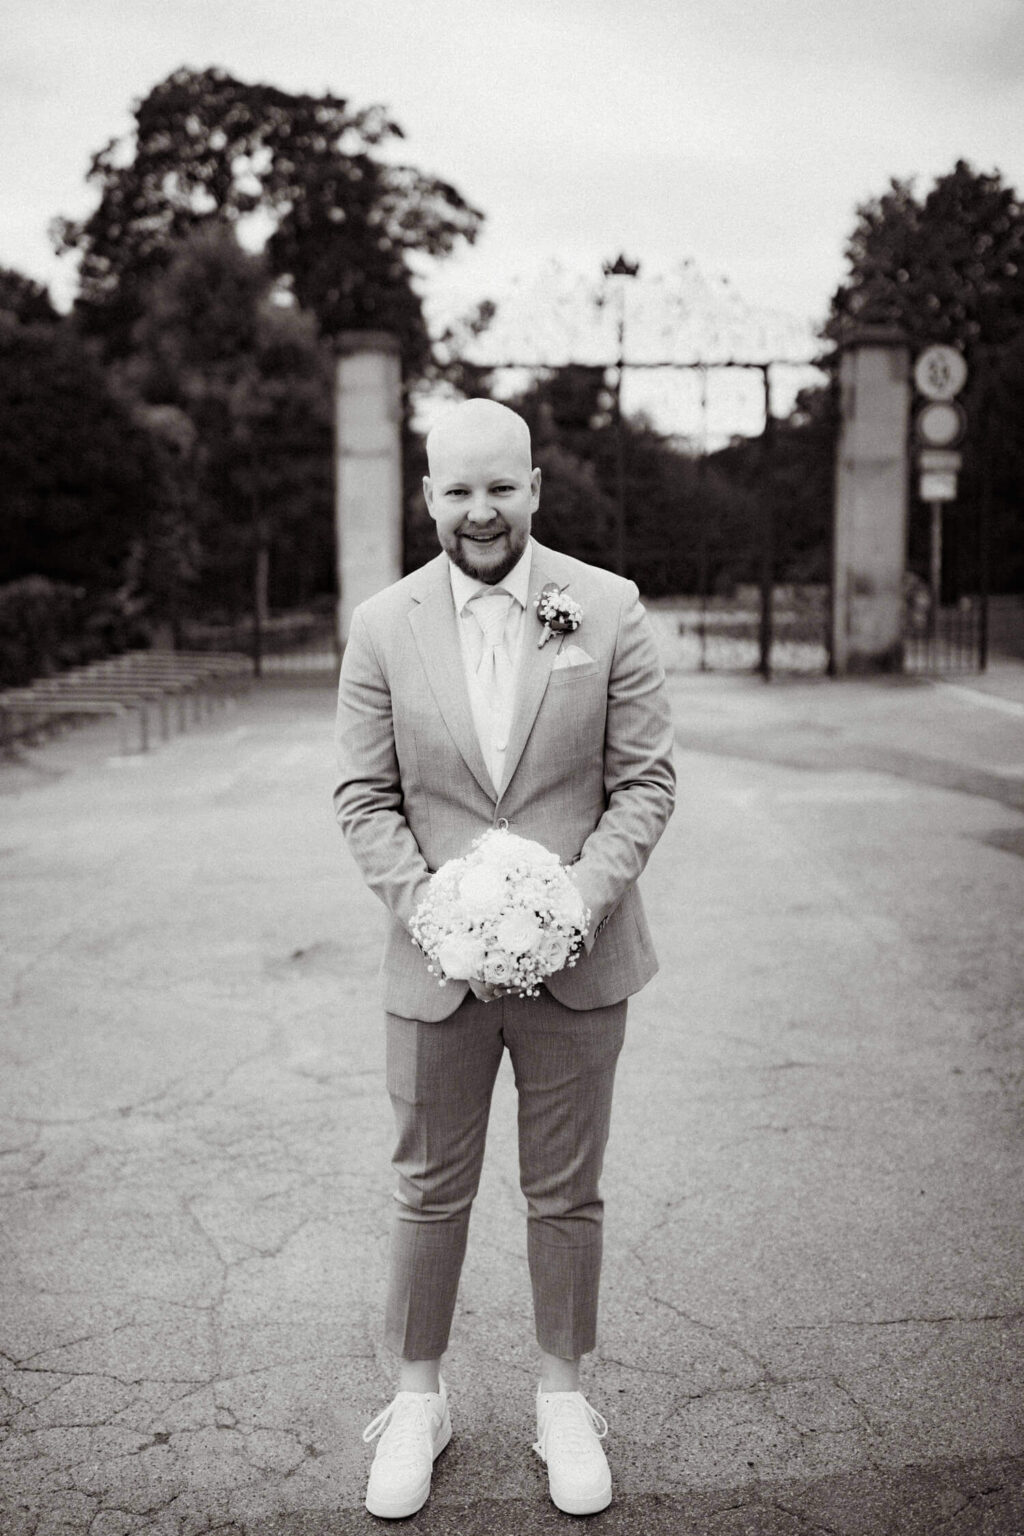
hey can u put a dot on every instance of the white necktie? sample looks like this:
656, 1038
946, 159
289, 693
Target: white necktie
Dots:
494, 680
494, 669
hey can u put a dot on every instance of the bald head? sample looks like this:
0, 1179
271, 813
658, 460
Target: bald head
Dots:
482, 490
479, 425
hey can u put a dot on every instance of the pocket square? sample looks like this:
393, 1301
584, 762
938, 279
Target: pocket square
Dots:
572, 656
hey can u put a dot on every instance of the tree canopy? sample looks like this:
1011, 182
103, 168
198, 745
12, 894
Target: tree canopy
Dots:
78, 477
26, 300
948, 266
343, 221
253, 381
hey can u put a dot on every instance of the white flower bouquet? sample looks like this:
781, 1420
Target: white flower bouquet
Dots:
506, 914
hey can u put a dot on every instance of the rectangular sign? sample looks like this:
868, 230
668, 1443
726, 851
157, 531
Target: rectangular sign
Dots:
947, 459
938, 485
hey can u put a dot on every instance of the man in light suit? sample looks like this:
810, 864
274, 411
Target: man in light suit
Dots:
453, 717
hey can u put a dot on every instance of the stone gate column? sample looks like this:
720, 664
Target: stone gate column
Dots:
368, 467
871, 503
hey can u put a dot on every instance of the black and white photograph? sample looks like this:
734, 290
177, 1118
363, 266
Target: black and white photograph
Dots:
512, 768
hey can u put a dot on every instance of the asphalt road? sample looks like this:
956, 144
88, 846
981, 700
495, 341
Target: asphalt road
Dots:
813, 1309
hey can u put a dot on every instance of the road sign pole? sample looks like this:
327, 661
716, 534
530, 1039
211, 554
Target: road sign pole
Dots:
936, 567
940, 374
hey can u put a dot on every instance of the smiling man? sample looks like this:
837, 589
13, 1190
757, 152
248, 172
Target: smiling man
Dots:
482, 490
453, 718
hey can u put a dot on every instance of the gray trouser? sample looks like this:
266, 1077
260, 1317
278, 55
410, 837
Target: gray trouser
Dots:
440, 1077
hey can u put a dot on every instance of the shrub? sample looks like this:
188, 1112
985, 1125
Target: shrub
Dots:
47, 626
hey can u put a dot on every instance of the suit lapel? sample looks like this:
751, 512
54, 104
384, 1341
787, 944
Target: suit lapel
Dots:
535, 663
435, 630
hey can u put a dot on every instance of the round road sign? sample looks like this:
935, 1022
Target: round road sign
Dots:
940, 423
940, 372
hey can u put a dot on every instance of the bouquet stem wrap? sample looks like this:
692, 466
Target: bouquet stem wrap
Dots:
506, 914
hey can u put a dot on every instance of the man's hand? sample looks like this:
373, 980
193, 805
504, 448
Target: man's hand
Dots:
485, 992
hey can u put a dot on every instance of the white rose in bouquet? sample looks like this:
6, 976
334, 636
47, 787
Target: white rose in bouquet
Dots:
506, 914
567, 909
461, 955
498, 969
482, 890
518, 932
552, 952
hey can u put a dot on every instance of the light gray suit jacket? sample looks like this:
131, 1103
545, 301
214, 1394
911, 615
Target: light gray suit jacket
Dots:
588, 770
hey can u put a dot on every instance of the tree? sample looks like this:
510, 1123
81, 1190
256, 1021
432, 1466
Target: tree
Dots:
946, 267
344, 222
992, 489
26, 300
249, 373
793, 483
78, 477
569, 411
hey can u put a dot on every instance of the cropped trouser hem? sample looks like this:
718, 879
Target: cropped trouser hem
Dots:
440, 1078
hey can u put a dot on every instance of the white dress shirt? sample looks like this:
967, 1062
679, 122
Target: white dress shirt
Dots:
492, 708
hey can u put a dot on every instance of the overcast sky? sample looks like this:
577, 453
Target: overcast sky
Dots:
738, 133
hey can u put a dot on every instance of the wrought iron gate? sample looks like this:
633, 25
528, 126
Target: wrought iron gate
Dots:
760, 626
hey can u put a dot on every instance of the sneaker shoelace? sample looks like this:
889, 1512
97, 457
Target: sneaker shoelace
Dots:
406, 1423
574, 1422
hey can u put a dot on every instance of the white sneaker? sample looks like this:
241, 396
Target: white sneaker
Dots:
414, 1428
569, 1435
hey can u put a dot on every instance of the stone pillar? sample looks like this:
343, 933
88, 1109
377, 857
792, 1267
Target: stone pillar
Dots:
368, 467
871, 503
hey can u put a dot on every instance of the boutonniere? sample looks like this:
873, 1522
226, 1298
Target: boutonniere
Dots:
559, 614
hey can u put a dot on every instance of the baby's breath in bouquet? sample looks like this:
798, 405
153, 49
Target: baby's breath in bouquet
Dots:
506, 914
